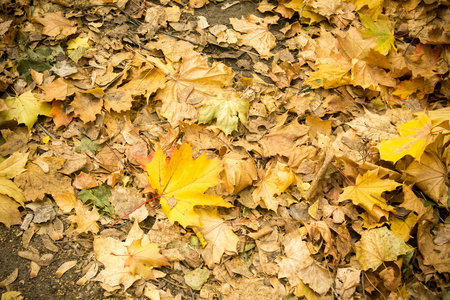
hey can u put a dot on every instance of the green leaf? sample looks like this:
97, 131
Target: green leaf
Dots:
25, 109
382, 29
228, 112
99, 197
88, 145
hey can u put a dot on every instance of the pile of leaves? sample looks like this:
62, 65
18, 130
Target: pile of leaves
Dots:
302, 150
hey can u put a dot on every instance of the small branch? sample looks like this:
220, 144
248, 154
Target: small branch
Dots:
313, 188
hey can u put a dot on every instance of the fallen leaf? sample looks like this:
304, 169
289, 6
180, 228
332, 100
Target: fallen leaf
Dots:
9, 211
382, 30
377, 246
257, 34
36, 183
276, 180
430, 175
239, 172
414, 137
182, 183
25, 109
190, 82
85, 219
366, 192
228, 109
196, 278
59, 114
56, 24
141, 259
433, 254
221, 239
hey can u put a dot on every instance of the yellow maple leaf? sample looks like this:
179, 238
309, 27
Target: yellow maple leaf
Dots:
182, 183
277, 179
414, 137
25, 109
382, 30
367, 193
142, 258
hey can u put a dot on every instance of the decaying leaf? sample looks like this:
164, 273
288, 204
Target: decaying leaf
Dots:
377, 246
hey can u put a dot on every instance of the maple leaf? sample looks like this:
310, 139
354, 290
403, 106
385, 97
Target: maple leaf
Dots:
277, 179
145, 78
86, 106
307, 11
228, 109
430, 175
77, 47
25, 109
382, 30
9, 168
191, 81
142, 258
56, 24
56, 90
36, 183
59, 115
218, 233
374, 7
420, 86
257, 34
85, 219
366, 192
414, 137
377, 246
9, 211
182, 183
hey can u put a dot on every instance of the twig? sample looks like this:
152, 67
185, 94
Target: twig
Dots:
55, 137
180, 38
115, 154
313, 188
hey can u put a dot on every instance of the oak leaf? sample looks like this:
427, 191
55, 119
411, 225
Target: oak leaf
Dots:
366, 192
182, 182
25, 109
414, 137
377, 246
228, 109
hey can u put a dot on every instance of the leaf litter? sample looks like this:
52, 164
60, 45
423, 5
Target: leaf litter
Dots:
224, 150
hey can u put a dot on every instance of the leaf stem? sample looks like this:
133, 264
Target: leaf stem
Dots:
343, 175
157, 196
